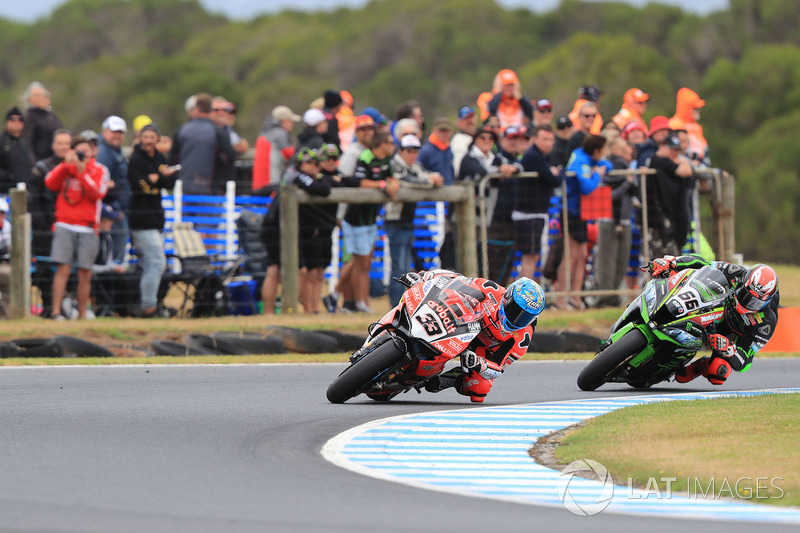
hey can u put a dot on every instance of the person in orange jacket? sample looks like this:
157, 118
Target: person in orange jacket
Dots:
687, 114
634, 104
586, 94
506, 101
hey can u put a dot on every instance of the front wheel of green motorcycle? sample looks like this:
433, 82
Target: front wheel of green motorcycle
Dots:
597, 371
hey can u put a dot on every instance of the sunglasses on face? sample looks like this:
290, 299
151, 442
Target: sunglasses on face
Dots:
224, 110
545, 110
589, 115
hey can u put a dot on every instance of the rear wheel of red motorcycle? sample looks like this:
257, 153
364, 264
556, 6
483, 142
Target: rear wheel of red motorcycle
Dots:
358, 375
597, 371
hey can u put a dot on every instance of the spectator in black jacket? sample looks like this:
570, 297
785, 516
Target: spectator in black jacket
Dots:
148, 174
532, 198
16, 159
40, 121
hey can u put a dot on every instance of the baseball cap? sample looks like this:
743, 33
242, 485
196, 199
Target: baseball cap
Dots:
513, 132
485, 131
364, 121
328, 152
313, 117
563, 122
466, 112
507, 76
633, 125
305, 155
636, 95
140, 121
544, 105
376, 115
409, 141
283, 112
590, 92
89, 135
658, 123
110, 213
442, 123
673, 142
3, 205
115, 123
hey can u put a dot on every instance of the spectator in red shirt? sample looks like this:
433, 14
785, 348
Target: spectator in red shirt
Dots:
80, 184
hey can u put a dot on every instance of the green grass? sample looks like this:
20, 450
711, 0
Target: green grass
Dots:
699, 441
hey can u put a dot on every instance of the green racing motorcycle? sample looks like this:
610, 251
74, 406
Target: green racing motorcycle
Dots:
661, 330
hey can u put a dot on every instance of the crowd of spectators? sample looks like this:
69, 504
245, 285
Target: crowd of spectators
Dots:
80, 183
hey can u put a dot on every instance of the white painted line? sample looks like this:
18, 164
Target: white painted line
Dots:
483, 452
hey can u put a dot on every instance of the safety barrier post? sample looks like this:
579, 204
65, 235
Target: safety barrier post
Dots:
230, 220
20, 280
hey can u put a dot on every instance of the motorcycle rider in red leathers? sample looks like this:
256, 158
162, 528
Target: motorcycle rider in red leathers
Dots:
507, 329
750, 316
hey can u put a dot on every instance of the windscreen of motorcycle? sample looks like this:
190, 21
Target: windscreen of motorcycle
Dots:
703, 293
448, 315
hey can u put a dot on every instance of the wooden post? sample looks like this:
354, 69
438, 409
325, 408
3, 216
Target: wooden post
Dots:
466, 247
727, 214
20, 282
290, 249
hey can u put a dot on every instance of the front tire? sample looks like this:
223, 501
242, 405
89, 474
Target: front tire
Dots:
359, 374
597, 371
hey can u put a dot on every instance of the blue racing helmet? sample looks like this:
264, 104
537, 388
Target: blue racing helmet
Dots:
522, 303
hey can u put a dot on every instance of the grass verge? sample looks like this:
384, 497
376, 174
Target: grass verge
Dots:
702, 444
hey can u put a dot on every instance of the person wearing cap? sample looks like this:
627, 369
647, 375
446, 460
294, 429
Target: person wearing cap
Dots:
140, 121
634, 105
365, 130
110, 155
315, 123
543, 112
560, 153
506, 100
16, 158
148, 175
359, 224
687, 115
80, 184
399, 218
587, 94
436, 155
462, 139
659, 130
332, 104
635, 133
668, 213
5, 255
40, 121
223, 113
201, 147
274, 147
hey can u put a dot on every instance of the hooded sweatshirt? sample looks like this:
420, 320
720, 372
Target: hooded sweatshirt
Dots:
687, 102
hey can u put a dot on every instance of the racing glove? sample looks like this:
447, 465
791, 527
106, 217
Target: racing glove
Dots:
472, 361
662, 266
409, 279
722, 345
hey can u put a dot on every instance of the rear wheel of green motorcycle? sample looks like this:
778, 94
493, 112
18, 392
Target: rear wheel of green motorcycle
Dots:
356, 376
597, 371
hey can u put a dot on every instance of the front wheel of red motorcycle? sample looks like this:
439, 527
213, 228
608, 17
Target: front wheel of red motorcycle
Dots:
357, 376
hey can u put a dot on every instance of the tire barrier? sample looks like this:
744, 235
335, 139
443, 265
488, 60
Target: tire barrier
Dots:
347, 342
81, 348
162, 347
248, 343
544, 342
8, 349
302, 341
38, 347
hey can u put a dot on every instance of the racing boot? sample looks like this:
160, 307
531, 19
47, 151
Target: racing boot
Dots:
444, 381
718, 370
692, 371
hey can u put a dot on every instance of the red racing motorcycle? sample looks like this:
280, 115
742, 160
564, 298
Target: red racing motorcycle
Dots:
434, 322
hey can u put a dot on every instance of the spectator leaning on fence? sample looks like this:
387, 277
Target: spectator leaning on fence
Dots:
532, 199
359, 227
589, 167
148, 175
399, 219
80, 185
274, 147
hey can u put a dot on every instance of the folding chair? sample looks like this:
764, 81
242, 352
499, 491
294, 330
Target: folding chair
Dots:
202, 277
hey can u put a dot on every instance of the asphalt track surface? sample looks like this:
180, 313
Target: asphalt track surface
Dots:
237, 448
